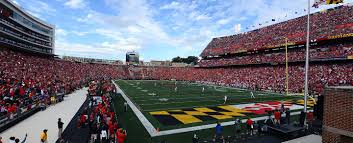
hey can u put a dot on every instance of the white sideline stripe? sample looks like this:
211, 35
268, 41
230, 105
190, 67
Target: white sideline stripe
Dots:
147, 124
153, 132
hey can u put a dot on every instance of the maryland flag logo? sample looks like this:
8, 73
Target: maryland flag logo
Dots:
334, 1
196, 115
326, 2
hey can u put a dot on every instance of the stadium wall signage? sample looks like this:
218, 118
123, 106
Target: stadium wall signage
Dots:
341, 36
281, 45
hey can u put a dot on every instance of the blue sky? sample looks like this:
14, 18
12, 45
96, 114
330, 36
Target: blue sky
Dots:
157, 29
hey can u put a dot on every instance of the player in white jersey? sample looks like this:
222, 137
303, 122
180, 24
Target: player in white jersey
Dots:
225, 99
252, 95
203, 89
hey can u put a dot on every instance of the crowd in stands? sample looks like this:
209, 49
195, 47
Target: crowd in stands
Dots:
270, 78
100, 116
297, 54
27, 81
331, 22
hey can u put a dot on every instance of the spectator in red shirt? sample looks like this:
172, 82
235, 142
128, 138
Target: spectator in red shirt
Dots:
121, 135
110, 128
277, 115
82, 120
310, 117
115, 125
250, 126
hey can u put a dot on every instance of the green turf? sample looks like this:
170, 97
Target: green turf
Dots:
136, 133
188, 95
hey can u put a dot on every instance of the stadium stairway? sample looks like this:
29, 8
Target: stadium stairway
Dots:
72, 133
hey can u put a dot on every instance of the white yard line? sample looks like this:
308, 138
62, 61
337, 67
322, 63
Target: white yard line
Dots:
166, 103
143, 98
221, 100
153, 132
184, 107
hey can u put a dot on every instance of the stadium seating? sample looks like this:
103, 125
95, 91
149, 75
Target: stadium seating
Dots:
332, 22
316, 53
27, 80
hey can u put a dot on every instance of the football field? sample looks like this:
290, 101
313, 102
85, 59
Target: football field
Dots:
176, 104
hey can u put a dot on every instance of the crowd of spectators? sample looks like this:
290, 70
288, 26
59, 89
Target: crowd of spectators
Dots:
297, 54
27, 81
323, 24
271, 78
100, 116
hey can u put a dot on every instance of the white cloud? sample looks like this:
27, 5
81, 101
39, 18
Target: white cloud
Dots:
134, 29
133, 18
86, 19
81, 33
129, 45
37, 8
103, 51
75, 4
202, 17
223, 21
173, 5
60, 32
14, 1
109, 33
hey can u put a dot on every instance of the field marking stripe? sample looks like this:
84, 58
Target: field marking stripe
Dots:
196, 97
147, 124
230, 87
205, 99
166, 103
184, 107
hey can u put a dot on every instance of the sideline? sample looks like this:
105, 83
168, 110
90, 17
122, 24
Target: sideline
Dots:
147, 124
